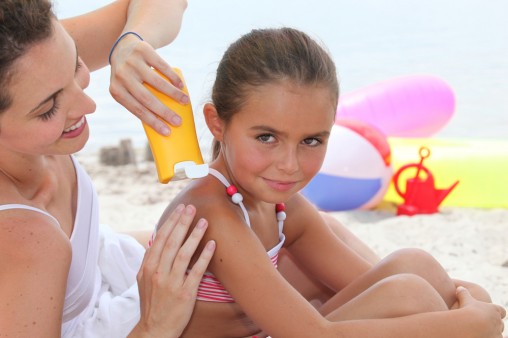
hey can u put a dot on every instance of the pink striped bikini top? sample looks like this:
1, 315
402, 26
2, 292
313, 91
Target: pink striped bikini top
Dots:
210, 288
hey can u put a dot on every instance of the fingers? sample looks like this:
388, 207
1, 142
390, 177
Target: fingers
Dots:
167, 231
173, 250
131, 68
463, 296
198, 269
502, 311
186, 252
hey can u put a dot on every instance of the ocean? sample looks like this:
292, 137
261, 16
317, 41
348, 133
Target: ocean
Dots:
464, 43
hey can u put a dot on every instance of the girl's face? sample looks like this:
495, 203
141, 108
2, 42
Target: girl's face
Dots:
47, 114
277, 142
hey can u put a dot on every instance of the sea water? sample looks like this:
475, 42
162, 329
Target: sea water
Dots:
465, 43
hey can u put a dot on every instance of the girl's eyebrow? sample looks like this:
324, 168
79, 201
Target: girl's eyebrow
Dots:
268, 129
55, 94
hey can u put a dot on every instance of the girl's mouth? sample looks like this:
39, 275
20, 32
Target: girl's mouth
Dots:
281, 186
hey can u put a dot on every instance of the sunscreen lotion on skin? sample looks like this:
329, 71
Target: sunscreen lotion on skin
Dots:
177, 156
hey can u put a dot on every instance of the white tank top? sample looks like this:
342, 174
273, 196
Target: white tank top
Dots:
83, 278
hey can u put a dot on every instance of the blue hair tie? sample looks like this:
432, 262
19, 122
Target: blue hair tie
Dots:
119, 39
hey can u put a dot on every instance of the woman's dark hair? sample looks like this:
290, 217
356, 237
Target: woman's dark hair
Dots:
266, 56
23, 23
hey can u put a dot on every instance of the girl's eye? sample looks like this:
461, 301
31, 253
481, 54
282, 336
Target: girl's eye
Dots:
49, 114
266, 138
312, 142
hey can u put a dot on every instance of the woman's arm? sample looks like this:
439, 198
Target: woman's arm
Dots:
158, 23
35, 257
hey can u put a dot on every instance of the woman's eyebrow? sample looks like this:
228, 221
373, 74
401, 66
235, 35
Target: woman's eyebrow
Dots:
49, 98
52, 96
77, 58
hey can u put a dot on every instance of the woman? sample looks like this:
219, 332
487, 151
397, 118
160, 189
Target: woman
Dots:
61, 274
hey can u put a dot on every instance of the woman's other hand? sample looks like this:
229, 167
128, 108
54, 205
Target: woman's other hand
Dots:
167, 288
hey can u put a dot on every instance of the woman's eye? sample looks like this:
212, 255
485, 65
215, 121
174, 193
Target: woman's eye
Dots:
266, 138
49, 114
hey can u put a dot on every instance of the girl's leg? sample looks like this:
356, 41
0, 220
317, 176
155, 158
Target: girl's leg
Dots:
310, 288
406, 261
395, 296
350, 239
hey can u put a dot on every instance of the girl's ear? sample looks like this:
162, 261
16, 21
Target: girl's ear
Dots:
213, 121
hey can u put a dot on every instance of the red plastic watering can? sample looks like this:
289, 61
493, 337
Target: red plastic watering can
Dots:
421, 196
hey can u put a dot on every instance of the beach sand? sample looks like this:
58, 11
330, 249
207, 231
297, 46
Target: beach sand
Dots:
470, 243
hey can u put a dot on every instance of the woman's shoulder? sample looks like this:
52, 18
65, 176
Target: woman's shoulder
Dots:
27, 234
36, 257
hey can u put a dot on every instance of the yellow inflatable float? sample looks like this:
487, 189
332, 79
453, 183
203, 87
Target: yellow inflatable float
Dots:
480, 166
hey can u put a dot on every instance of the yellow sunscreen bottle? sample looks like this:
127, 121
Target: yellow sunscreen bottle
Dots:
177, 156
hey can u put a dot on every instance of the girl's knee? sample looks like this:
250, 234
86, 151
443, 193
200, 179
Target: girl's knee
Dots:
410, 256
410, 294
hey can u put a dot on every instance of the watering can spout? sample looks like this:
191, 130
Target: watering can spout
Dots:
442, 193
421, 195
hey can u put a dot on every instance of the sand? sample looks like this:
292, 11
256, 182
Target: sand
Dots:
472, 244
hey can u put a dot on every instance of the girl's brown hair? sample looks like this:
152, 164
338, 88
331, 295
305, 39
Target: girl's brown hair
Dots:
266, 56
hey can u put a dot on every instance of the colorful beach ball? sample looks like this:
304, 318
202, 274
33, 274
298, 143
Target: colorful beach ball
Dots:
356, 171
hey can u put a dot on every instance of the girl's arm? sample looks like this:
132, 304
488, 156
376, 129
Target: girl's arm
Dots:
242, 264
313, 244
157, 22
35, 257
474, 319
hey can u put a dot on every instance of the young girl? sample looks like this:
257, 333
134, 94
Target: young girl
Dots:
274, 103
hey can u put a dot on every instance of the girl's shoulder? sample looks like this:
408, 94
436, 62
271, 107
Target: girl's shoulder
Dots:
209, 197
300, 214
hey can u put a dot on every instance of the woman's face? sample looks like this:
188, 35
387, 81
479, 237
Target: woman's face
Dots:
277, 142
47, 114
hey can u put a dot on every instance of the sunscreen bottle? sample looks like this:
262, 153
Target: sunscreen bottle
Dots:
177, 156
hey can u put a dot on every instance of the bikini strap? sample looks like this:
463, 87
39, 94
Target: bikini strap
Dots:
237, 198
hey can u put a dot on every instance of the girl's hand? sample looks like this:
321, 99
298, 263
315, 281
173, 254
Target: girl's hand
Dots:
132, 61
486, 318
167, 292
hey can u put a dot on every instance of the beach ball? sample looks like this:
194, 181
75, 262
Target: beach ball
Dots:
356, 171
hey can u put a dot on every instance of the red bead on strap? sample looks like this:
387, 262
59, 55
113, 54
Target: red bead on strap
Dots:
279, 209
236, 197
231, 190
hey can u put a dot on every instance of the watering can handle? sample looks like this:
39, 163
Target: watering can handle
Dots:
401, 169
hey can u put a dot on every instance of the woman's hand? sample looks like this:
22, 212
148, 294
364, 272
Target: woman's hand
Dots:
167, 292
486, 318
132, 61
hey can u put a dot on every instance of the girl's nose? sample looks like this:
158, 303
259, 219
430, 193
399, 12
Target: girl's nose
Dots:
288, 160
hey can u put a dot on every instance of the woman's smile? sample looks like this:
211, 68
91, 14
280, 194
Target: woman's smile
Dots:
76, 129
